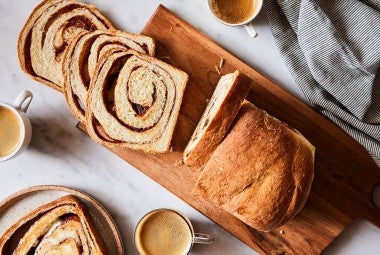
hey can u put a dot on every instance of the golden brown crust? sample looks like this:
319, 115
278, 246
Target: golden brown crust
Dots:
261, 172
211, 129
47, 213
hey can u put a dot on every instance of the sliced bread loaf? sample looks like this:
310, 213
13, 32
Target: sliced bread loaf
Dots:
262, 171
219, 114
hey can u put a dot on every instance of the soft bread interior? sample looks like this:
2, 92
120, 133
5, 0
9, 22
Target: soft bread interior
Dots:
219, 114
212, 109
144, 101
46, 36
83, 56
52, 32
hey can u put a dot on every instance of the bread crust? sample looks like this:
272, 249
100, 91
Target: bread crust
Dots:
262, 171
211, 130
68, 204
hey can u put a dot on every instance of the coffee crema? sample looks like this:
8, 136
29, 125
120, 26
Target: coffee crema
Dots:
9, 131
163, 232
234, 11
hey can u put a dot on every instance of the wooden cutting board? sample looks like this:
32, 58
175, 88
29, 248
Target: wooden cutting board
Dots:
345, 174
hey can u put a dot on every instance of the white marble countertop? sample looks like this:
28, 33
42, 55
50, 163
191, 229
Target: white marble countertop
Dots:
60, 154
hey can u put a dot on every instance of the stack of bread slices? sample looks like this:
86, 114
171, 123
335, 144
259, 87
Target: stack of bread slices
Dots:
110, 78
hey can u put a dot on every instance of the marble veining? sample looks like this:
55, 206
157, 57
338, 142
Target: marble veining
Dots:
60, 154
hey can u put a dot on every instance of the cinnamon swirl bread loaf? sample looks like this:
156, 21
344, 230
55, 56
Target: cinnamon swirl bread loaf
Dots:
134, 101
48, 32
82, 57
60, 227
262, 171
220, 112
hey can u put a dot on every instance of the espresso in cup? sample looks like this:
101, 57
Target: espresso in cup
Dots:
15, 126
166, 232
10, 131
234, 11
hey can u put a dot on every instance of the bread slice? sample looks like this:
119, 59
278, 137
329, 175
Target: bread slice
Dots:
47, 33
82, 57
262, 171
134, 102
60, 227
220, 112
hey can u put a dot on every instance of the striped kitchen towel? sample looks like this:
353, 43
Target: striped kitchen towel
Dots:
332, 49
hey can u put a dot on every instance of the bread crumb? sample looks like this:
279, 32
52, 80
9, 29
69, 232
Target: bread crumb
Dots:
218, 71
171, 29
282, 232
179, 162
221, 63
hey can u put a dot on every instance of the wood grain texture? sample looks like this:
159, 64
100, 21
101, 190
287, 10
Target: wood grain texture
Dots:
345, 174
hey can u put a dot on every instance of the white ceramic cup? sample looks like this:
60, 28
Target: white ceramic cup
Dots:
19, 108
248, 23
194, 237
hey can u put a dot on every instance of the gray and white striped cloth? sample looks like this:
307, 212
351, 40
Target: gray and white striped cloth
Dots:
332, 49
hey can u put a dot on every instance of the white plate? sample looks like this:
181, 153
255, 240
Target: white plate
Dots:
22, 202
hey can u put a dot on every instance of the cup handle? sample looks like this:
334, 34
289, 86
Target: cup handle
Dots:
251, 30
203, 238
23, 100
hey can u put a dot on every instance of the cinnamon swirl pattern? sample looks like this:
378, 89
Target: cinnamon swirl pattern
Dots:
134, 102
110, 79
47, 33
60, 227
82, 57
